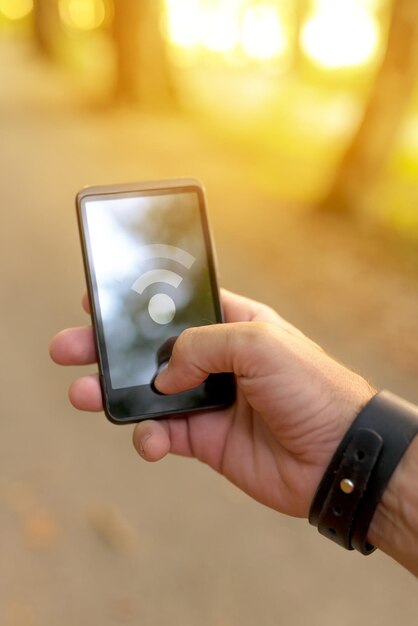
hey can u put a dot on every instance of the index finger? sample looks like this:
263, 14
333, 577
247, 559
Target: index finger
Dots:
238, 308
241, 309
74, 346
86, 303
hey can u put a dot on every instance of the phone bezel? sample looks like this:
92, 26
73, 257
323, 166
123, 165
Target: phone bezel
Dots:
132, 404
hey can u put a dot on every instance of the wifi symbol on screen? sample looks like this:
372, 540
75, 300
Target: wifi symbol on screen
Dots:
161, 307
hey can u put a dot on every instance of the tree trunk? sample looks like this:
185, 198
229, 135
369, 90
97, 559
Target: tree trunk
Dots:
365, 158
143, 70
46, 26
301, 12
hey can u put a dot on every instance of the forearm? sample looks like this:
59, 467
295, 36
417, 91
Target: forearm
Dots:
394, 527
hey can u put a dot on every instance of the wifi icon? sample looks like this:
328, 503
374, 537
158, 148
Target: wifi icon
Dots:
161, 307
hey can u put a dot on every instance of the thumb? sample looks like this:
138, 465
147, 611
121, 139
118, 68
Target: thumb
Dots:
206, 350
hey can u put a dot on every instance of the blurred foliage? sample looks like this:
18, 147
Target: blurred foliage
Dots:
322, 93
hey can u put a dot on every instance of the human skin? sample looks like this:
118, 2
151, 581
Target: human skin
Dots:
294, 403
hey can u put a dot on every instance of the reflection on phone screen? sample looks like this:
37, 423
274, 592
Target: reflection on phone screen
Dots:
151, 275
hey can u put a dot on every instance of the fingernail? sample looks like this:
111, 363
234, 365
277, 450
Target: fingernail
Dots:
161, 371
163, 367
142, 444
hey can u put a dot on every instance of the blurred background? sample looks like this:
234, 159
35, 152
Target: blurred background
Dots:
301, 118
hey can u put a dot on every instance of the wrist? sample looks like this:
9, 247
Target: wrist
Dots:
394, 527
360, 473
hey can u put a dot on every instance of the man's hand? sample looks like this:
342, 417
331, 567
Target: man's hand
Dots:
294, 402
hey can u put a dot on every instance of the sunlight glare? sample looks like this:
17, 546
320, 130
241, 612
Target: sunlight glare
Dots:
82, 14
340, 34
15, 9
219, 32
262, 37
221, 26
183, 22
210, 24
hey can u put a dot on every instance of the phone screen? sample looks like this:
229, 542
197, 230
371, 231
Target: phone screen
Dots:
152, 276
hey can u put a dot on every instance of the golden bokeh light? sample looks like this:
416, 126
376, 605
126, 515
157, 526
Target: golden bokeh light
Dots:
183, 22
335, 35
219, 26
263, 35
341, 34
82, 14
15, 9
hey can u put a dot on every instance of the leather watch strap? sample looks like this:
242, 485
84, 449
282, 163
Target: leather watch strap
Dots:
396, 420
350, 483
362, 465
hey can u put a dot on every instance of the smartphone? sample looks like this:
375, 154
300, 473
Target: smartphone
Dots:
150, 272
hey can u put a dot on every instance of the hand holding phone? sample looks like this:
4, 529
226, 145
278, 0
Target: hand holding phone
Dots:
150, 274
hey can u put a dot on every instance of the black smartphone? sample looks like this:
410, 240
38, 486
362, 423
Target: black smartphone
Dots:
150, 273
